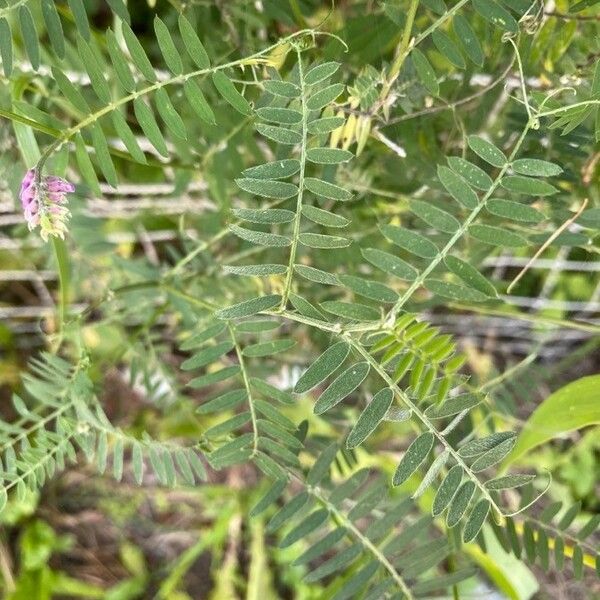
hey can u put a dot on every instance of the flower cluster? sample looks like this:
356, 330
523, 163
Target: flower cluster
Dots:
44, 202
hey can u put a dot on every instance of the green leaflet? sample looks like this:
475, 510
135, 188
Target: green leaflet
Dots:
94, 70
305, 527
324, 97
138, 54
342, 387
225, 401
496, 15
169, 115
425, 72
199, 338
515, 211
270, 391
80, 17
527, 185
446, 490
279, 169
229, 93
284, 514
268, 348
281, 135
207, 356
316, 275
320, 468
53, 27
434, 216
249, 307
285, 89
460, 503
324, 189
468, 39
85, 165
323, 217
265, 188
370, 418
271, 495
198, 102
325, 242
497, 236
471, 173
479, 446
320, 72
257, 326
453, 406
436, 466
266, 216
337, 562
192, 43
122, 128
411, 241
145, 117
122, 69
476, 520
259, 237
263, 270
322, 367
350, 310
103, 155
369, 288
447, 48
72, 94
325, 125
508, 482
413, 457
6, 53
389, 263
535, 167
328, 156
212, 378
284, 116
493, 455
457, 187
167, 47
487, 151
470, 276
320, 547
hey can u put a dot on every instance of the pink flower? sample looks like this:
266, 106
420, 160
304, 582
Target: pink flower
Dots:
44, 203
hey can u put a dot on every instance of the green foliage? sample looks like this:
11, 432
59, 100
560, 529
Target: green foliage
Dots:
331, 256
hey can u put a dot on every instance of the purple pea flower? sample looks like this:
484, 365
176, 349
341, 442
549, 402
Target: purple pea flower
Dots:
44, 202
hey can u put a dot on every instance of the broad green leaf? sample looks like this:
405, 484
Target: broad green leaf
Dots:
370, 418
281, 135
535, 167
328, 156
326, 189
261, 270
119, 63
527, 185
284, 116
324, 217
447, 48
497, 236
320, 72
374, 290
322, 367
411, 241
470, 275
192, 43
494, 455
53, 27
351, 310
80, 17
285, 89
317, 240
514, 211
325, 96
457, 187
6, 53
471, 173
496, 14
316, 275
342, 387
198, 102
138, 54
260, 237
268, 348
487, 151
425, 72
229, 93
325, 125
169, 115
278, 169
460, 503
206, 356
145, 118
570, 408
267, 215
476, 520
249, 307
468, 39
167, 47
446, 491
434, 216
413, 457
266, 188
507, 482
389, 263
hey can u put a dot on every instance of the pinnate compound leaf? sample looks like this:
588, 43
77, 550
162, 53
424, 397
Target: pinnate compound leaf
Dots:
413, 457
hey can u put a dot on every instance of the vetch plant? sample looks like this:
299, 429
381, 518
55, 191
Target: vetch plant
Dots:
294, 329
